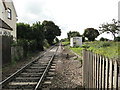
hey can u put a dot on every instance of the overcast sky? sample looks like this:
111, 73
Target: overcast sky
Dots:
74, 15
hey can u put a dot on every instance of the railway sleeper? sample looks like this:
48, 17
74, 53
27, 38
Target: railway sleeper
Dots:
34, 71
49, 78
52, 67
51, 73
27, 79
40, 65
20, 86
30, 75
52, 70
18, 89
39, 62
46, 84
33, 67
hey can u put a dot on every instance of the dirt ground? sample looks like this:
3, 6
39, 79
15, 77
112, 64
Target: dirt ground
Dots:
68, 71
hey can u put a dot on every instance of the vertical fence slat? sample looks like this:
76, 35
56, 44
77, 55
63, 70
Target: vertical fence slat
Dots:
97, 71
103, 74
115, 75
93, 71
110, 75
100, 72
83, 82
88, 70
106, 74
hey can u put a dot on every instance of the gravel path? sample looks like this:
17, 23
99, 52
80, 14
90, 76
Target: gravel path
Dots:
68, 72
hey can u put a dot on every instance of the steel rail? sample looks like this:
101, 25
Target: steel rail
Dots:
4, 82
45, 72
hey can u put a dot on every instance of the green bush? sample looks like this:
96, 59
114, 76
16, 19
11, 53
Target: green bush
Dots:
103, 39
105, 44
117, 39
46, 44
85, 46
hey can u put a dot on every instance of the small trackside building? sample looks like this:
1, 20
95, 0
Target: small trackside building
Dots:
75, 41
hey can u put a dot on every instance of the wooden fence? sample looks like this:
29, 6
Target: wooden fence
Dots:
100, 72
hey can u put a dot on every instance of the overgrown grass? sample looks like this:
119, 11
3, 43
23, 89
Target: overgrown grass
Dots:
77, 50
65, 43
107, 48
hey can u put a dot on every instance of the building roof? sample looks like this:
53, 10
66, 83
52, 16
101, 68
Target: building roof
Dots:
4, 25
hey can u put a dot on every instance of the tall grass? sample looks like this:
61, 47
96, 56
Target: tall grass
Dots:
106, 48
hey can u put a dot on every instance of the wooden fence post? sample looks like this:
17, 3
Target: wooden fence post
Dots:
115, 75
111, 75
100, 73
97, 71
103, 73
93, 70
90, 69
84, 69
106, 73
88, 65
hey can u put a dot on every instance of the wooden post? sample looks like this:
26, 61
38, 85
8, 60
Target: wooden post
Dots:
106, 73
93, 70
88, 64
103, 74
97, 71
115, 75
100, 73
84, 67
90, 69
111, 75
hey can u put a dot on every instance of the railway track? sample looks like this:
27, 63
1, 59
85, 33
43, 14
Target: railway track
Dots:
35, 75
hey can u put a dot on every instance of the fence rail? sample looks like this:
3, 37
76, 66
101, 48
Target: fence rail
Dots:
100, 72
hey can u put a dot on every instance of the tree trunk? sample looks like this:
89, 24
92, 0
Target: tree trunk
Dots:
114, 36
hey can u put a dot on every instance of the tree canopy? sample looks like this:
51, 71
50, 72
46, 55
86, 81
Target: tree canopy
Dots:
110, 28
33, 37
23, 31
51, 31
73, 34
91, 33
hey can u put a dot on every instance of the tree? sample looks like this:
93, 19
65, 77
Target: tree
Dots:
38, 35
23, 31
73, 34
23, 34
110, 28
91, 33
51, 31
31, 36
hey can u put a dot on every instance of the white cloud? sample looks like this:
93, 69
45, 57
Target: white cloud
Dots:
68, 14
